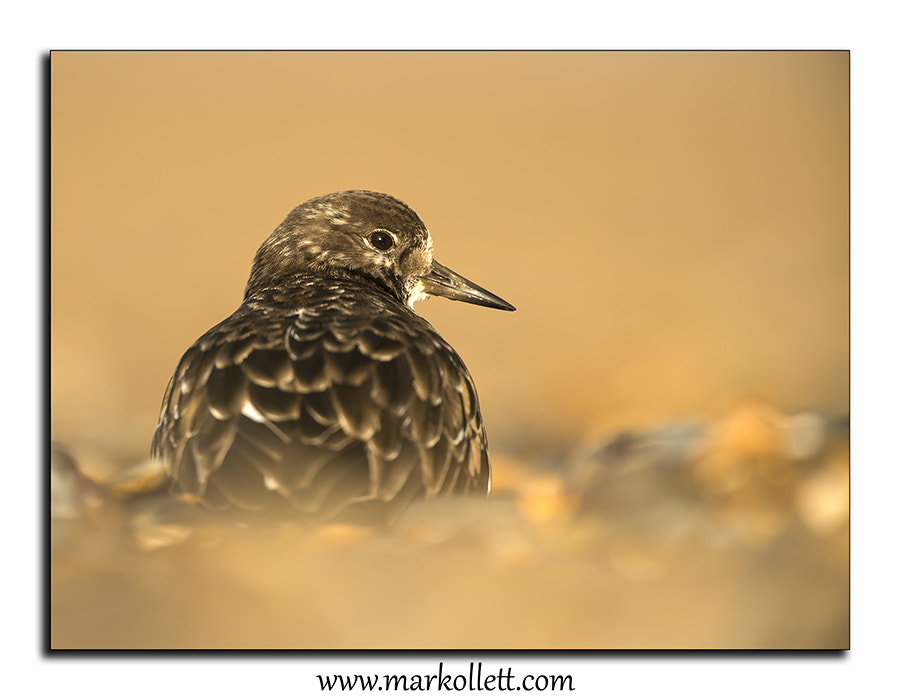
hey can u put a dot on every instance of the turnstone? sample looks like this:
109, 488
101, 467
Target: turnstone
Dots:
324, 394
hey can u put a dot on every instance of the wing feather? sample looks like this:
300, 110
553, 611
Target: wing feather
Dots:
355, 418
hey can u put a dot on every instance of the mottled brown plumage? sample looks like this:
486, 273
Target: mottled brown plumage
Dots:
325, 395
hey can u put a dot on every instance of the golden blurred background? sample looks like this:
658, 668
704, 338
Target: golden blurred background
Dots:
673, 228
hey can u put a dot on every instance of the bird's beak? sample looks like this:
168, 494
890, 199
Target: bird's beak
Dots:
443, 282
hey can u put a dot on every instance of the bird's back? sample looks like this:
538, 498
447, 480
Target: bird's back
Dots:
326, 398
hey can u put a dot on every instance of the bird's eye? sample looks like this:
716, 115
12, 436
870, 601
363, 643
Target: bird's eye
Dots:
381, 239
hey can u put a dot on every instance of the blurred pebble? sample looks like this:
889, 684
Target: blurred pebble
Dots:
823, 499
747, 436
64, 499
144, 476
544, 498
804, 435
75, 496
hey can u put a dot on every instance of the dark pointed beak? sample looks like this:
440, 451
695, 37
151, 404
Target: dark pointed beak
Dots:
443, 282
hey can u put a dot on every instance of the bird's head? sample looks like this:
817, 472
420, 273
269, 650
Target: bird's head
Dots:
364, 234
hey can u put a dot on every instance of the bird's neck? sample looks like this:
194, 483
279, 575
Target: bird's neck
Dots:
300, 284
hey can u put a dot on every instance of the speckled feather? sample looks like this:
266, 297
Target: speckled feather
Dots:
325, 394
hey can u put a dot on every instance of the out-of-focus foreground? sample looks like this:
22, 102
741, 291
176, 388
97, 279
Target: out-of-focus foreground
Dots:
667, 408
728, 535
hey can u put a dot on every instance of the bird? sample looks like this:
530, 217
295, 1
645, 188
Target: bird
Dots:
325, 396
